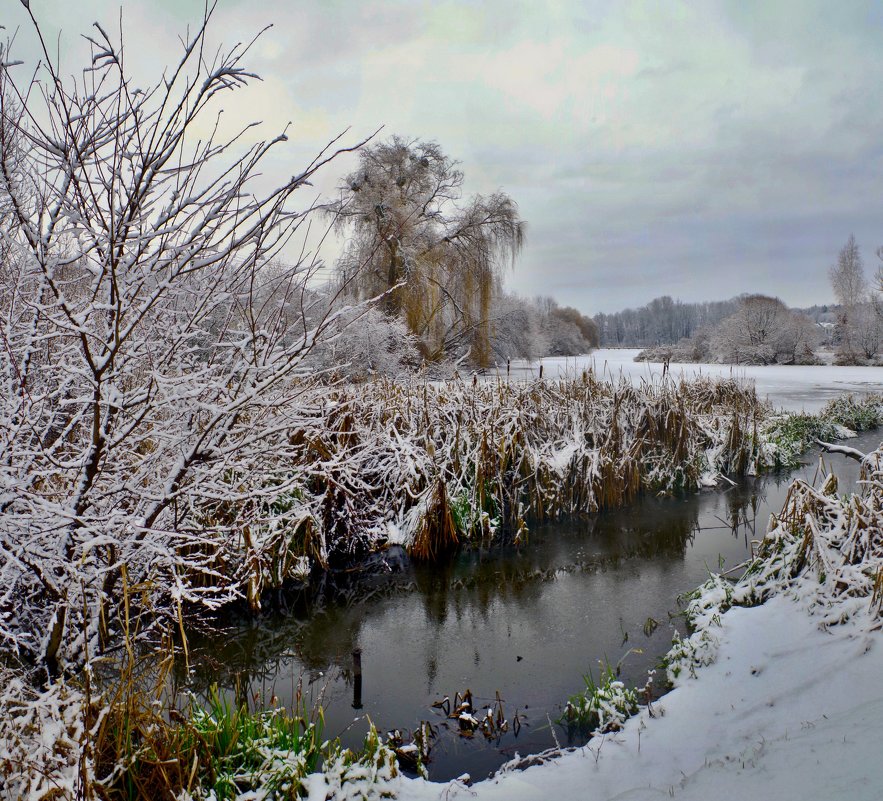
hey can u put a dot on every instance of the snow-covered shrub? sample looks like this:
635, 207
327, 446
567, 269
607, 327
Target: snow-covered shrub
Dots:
154, 348
786, 436
602, 707
366, 343
366, 776
704, 607
687, 654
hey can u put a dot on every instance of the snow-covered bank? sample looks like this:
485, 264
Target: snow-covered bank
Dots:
825, 550
795, 388
777, 691
788, 711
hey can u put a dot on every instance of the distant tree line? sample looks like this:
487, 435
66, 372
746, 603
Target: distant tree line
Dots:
662, 321
762, 330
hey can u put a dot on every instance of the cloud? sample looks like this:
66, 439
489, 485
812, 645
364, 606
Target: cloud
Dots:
700, 149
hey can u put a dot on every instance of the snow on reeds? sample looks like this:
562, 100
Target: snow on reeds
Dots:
824, 550
431, 466
64, 744
434, 466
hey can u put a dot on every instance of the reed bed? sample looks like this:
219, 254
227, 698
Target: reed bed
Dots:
433, 466
133, 742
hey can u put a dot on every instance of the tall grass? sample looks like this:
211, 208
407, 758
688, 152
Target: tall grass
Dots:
432, 466
133, 742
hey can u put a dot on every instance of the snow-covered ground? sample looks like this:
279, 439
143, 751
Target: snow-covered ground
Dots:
787, 711
796, 388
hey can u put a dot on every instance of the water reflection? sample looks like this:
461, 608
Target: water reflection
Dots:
528, 621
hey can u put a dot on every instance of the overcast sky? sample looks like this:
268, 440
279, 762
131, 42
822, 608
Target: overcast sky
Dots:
696, 149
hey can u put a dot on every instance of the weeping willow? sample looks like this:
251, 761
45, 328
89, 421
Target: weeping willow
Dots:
437, 258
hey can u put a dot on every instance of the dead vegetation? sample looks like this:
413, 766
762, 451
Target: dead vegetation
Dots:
433, 466
830, 547
823, 550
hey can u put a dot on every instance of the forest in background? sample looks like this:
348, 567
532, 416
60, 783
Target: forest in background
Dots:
760, 329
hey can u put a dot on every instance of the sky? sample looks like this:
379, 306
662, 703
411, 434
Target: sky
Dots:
696, 149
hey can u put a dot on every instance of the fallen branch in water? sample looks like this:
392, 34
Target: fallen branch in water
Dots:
844, 450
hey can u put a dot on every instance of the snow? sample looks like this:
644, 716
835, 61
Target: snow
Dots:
788, 710
560, 459
792, 387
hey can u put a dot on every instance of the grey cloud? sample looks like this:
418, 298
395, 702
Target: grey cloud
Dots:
695, 149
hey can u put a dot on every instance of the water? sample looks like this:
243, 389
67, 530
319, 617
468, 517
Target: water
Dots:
793, 387
526, 621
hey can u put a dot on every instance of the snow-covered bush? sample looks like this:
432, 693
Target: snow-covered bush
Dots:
602, 707
855, 413
703, 610
363, 344
153, 345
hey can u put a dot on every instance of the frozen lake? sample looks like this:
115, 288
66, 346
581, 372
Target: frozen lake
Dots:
796, 388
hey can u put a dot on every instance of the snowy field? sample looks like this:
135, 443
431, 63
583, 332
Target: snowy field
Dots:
796, 388
787, 712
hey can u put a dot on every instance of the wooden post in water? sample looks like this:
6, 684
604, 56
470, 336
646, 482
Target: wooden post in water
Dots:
357, 678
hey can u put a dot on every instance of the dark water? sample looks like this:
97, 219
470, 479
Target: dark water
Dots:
526, 621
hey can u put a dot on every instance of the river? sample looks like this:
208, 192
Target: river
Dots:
527, 621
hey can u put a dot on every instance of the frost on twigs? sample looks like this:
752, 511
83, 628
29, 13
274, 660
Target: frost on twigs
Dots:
153, 353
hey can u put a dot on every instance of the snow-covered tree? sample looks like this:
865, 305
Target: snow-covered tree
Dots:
517, 330
150, 356
851, 289
763, 331
437, 255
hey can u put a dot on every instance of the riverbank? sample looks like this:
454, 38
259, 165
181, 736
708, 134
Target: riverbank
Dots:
62, 722
777, 691
787, 711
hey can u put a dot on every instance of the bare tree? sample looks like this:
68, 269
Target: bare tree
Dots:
848, 275
763, 331
150, 359
851, 291
436, 256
